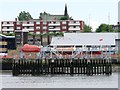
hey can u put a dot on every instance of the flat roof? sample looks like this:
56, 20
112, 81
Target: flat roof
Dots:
78, 39
1, 35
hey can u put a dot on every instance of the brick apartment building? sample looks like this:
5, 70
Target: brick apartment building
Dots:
42, 26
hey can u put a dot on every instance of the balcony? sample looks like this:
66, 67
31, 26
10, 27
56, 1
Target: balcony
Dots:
54, 24
7, 29
74, 29
54, 29
27, 24
74, 24
31, 29
8, 25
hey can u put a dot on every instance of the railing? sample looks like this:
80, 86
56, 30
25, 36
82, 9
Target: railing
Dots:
62, 66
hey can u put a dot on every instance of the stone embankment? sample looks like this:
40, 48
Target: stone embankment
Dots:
116, 68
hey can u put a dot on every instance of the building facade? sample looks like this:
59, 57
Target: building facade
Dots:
91, 44
6, 43
42, 26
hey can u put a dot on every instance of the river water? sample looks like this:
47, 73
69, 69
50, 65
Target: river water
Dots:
59, 81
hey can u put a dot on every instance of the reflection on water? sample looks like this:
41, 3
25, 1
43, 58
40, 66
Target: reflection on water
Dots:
60, 81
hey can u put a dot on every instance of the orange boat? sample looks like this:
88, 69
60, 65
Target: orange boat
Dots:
30, 48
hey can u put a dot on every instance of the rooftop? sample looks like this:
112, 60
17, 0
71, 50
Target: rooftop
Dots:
79, 39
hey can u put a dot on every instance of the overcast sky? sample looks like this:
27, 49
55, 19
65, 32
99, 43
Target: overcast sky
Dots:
93, 12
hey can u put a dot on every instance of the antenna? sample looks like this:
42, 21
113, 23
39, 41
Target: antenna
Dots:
109, 21
89, 19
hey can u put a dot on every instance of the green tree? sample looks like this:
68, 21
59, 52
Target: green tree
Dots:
43, 13
64, 18
24, 16
87, 28
105, 28
71, 18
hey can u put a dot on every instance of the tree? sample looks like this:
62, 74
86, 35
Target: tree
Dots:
105, 28
41, 14
87, 28
64, 18
24, 16
71, 18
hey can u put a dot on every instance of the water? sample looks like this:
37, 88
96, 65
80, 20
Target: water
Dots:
60, 81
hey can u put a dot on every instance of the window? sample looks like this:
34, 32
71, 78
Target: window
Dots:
31, 27
31, 23
71, 22
38, 27
18, 28
18, 22
37, 22
63, 27
24, 22
57, 22
71, 27
77, 26
64, 22
11, 23
44, 22
37, 32
4, 27
45, 27
51, 27
10, 27
77, 22
24, 27
4, 22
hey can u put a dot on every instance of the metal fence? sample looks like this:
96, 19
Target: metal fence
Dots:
62, 66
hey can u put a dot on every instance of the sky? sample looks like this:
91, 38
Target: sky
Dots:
92, 12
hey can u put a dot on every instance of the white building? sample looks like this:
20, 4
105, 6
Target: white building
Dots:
87, 41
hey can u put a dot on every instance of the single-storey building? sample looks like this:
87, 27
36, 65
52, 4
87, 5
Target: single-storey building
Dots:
87, 42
